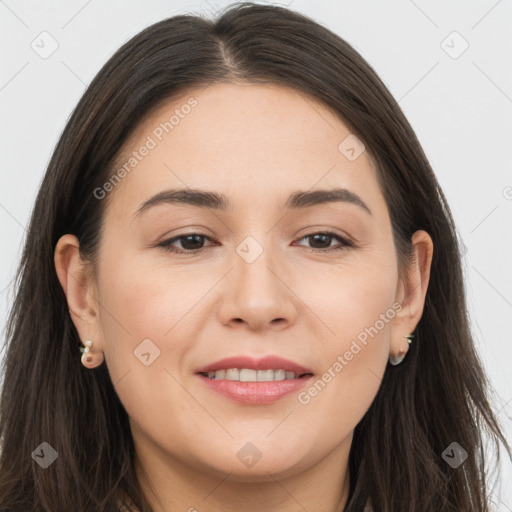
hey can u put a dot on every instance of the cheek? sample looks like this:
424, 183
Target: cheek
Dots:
148, 298
144, 300
148, 323
356, 300
359, 311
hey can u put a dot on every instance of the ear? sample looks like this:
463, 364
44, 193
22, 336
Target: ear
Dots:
411, 293
77, 281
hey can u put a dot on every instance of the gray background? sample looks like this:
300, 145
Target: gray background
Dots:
458, 102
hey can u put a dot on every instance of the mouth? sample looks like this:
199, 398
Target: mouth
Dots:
251, 375
249, 369
251, 381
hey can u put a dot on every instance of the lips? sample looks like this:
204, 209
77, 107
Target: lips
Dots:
269, 362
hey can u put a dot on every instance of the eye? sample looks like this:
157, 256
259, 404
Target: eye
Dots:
190, 242
325, 239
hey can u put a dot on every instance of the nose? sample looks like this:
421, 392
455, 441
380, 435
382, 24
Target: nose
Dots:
259, 294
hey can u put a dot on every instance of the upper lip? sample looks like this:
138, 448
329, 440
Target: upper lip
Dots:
269, 362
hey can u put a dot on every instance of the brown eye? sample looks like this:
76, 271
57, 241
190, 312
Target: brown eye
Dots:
191, 243
324, 240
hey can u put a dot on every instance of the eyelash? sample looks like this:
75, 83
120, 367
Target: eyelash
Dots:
166, 244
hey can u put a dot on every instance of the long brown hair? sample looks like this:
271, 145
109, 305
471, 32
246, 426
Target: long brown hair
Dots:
438, 395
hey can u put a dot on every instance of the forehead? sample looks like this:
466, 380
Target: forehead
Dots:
257, 141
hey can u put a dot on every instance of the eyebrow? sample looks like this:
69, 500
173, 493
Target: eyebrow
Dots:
213, 200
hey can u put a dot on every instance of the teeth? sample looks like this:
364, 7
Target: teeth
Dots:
279, 374
265, 375
232, 374
249, 375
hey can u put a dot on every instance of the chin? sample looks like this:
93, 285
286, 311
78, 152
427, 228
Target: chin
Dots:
265, 469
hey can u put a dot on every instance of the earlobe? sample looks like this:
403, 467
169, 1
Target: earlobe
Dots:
77, 284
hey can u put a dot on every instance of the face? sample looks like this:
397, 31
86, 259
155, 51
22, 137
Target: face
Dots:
311, 281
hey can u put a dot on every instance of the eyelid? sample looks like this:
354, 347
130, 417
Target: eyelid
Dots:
168, 241
332, 234
317, 230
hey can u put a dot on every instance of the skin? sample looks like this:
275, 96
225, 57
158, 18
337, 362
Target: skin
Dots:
255, 144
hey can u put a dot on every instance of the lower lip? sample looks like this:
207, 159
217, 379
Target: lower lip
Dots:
255, 393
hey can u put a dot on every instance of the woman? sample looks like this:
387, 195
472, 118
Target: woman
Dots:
228, 361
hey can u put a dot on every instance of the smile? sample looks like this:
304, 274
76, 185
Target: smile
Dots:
250, 375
